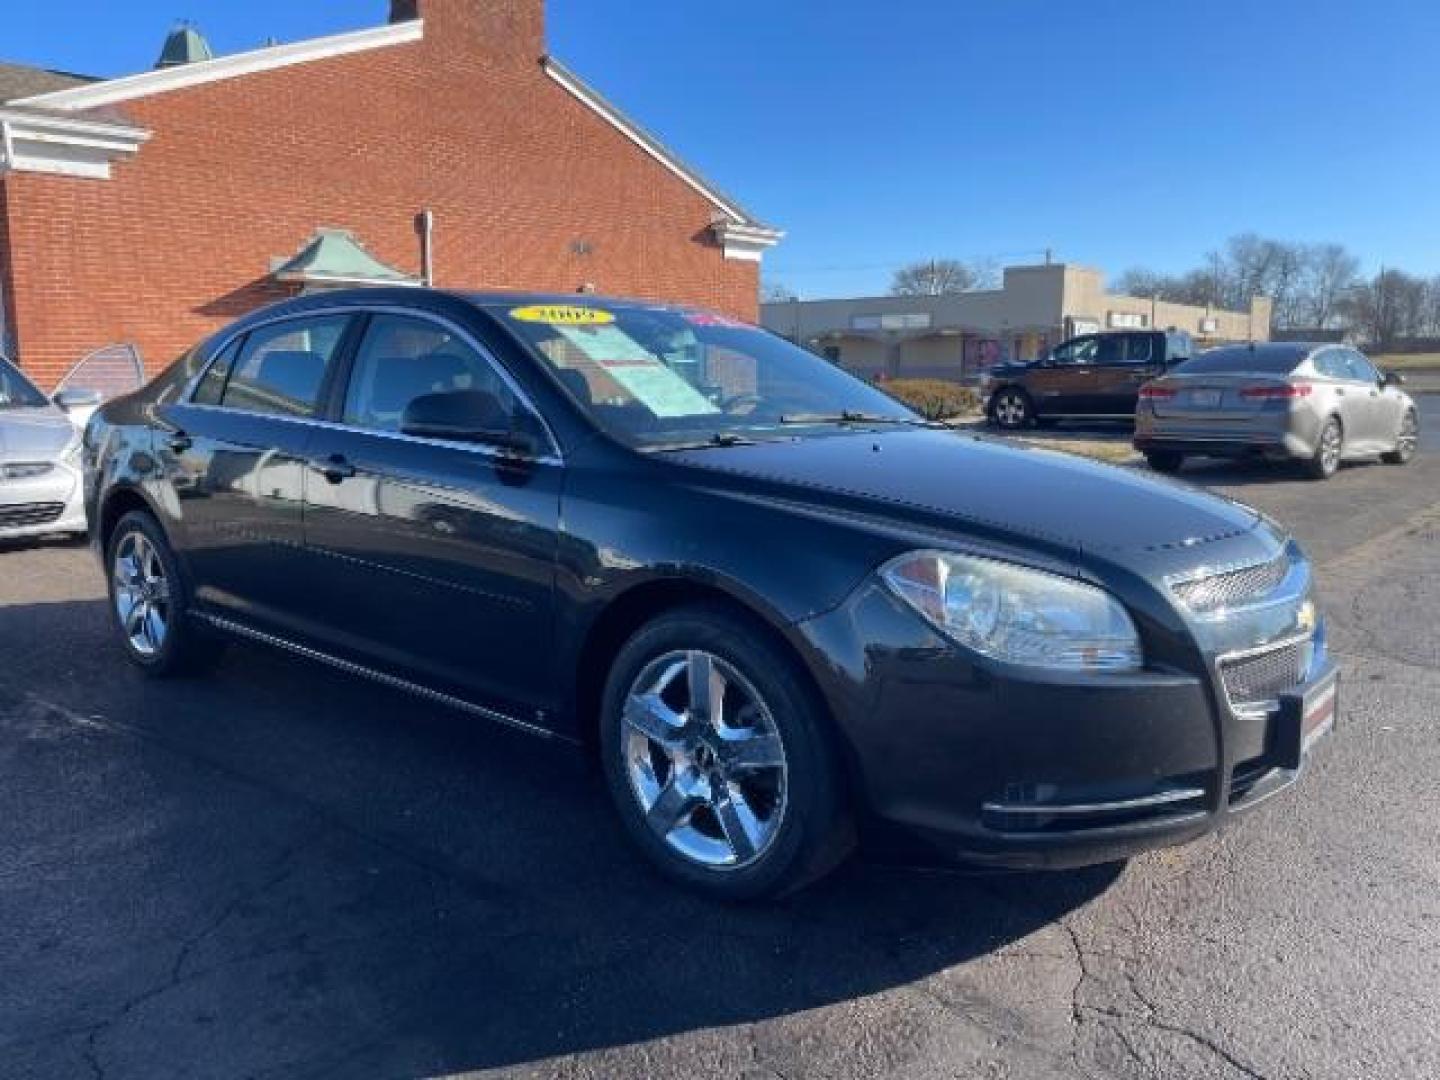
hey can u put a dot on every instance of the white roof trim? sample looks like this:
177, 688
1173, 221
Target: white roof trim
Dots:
114, 91
631, 131
746, 242
63, 145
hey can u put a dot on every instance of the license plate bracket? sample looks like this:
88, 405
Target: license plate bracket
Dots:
1305, 718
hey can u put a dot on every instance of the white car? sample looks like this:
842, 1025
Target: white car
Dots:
41, 489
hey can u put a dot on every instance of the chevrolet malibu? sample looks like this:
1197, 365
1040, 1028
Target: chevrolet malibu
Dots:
784, 613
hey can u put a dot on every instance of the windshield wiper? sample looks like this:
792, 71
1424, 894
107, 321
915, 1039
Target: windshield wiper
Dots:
718, 439
845, 416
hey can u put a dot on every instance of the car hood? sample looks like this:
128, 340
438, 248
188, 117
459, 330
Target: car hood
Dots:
34, 434
990, 488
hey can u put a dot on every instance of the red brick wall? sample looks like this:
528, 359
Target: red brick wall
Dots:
180, 240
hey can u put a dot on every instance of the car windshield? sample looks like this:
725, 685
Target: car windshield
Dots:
16, 391
661, 376
1243, 360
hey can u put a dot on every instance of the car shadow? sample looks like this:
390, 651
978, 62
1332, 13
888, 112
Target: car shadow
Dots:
1253, 471
289, 870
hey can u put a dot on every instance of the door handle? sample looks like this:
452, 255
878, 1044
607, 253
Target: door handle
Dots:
334, 468
179, 442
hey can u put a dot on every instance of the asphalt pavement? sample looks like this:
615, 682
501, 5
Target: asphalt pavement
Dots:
280, 872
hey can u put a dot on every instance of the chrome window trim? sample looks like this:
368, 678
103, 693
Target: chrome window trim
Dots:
397, 436
555, 457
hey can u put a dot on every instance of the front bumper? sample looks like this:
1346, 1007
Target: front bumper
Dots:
53, 502
959, 763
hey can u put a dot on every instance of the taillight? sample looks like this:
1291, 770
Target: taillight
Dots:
1156, 393
1271, 393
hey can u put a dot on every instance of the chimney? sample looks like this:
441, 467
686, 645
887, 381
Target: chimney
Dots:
505, 30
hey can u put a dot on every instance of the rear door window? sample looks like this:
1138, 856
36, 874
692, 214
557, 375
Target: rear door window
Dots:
1140, 350
282, 366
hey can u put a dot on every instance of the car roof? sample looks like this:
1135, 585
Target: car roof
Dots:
1276, 349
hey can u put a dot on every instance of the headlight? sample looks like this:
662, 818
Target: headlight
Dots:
1015, 614
74, 452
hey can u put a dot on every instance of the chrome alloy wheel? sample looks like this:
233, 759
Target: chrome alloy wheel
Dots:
142, 594
705, 760
1009, 410
1330, 447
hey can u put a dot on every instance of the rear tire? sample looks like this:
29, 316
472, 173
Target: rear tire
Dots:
1406, 442
1329, 449
1011, 409
1165, 461
150, 601
740, 801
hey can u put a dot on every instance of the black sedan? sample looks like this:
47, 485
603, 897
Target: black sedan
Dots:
784, 612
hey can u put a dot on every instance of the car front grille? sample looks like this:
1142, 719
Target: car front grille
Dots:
24, 470
1231, 588
1257, 680
19, 515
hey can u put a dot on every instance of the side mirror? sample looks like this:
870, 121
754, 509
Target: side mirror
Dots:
1392, 378
70, 400
466, 416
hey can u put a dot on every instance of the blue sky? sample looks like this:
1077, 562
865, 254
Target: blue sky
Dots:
1117, 133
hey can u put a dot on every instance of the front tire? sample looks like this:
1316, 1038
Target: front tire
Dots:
1329, 449
1011, 409
718, 759
149, 601
1406, 441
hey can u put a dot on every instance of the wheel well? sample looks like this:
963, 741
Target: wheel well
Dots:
632, 610
119, 504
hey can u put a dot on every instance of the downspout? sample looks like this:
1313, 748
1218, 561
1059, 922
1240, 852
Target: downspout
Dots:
425, 226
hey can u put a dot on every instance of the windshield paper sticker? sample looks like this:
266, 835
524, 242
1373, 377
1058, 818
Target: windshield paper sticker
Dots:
659, 389
563, 315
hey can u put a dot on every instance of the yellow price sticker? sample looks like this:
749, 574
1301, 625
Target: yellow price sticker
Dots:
563, 315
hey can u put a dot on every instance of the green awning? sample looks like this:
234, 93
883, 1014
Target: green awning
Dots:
335, 257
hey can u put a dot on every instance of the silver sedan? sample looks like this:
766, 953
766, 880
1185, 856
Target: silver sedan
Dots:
1317, 404
40, 475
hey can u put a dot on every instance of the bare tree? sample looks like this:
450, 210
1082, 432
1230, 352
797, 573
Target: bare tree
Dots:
1330, 270
936, 277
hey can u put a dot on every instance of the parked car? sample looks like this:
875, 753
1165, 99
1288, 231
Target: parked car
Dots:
40, 481
1092, 377
783, 611
1320, 405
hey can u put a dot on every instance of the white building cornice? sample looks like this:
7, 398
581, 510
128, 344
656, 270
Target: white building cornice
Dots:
746, 242
37, 142
163, 80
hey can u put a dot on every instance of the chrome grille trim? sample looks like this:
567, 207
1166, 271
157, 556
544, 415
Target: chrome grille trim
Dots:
1254, 680
1211, 591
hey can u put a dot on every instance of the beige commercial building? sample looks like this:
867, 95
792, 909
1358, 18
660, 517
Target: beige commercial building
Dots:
954, 337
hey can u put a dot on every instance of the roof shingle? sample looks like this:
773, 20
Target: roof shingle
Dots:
20, 81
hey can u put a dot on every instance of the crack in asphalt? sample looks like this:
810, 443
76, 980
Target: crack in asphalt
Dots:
176, 978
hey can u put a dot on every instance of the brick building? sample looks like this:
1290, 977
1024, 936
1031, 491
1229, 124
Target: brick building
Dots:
154, 208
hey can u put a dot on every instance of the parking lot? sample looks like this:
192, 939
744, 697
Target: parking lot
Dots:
283, 872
